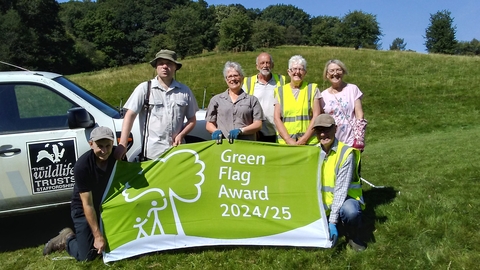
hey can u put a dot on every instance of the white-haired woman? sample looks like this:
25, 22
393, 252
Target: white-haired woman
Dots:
297, 105
343, 101
234, 114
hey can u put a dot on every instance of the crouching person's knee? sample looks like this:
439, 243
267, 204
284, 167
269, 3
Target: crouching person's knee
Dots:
351, 213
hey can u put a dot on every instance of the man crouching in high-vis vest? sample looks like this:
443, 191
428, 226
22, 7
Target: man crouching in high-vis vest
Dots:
341, 186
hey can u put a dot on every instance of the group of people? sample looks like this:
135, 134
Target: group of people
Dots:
297, 113
262, 107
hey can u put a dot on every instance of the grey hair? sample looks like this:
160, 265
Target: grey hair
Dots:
236, 66
271, 58
299, 60
337, 62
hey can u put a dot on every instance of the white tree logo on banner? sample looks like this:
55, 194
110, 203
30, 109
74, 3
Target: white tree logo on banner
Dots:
172, 195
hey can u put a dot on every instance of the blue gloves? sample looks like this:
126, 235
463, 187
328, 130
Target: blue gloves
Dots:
233, 134
333, 233
217, 135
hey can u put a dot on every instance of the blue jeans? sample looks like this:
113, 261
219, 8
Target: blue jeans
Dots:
81, 245
351, 213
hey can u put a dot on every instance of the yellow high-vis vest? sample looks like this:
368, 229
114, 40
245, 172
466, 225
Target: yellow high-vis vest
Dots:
297, 113
330, 167
250, 82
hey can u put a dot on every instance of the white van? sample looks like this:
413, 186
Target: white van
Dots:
45, 124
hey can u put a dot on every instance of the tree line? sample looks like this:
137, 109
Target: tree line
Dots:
79, 36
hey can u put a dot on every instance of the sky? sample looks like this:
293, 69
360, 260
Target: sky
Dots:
405, 19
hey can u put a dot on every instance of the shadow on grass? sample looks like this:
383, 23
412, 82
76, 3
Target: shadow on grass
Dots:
33, 229
374, 197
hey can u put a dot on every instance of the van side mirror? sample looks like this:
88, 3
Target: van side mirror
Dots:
79, 118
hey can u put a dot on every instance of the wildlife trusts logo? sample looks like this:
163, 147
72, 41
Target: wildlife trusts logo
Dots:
56, 154
51, 165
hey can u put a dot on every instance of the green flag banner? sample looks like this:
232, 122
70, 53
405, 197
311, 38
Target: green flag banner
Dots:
204, 194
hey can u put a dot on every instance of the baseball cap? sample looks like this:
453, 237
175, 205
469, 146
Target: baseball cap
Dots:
323, 120
101, 133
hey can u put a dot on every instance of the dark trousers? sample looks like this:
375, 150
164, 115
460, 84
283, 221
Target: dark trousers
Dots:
263, 138
81, 245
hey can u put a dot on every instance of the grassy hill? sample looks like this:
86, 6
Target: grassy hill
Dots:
405, 93
423, 112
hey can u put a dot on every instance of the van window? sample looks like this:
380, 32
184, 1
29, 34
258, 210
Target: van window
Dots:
29, 107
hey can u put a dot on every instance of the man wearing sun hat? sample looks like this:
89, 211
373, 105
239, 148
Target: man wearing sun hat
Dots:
92, 172
169, 104
341, 186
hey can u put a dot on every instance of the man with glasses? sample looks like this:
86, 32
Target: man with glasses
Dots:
262, 86
163, 105
341, 187
296, 105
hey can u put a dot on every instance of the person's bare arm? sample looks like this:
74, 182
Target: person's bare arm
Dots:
358, 109
252, 128
211, 126
188, 127
127, 124
91, 216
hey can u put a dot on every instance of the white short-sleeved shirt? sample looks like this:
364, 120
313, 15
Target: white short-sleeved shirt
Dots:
169, 108
266, 97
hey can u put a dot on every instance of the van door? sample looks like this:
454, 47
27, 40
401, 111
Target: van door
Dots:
37, 148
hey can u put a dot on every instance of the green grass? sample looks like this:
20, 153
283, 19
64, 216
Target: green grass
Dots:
422, 143
405, 92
